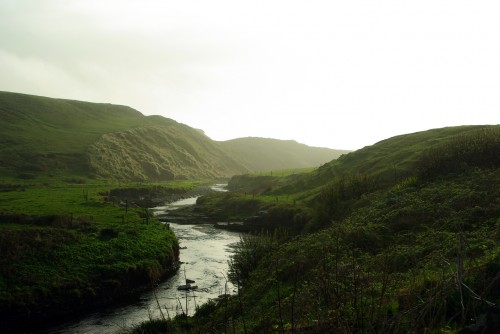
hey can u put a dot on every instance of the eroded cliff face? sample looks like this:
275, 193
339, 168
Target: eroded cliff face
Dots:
159, 153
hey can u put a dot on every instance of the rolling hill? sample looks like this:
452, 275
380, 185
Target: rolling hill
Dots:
260, 154
401, 236
55, 137
388, 161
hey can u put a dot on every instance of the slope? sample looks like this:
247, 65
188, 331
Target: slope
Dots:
394, 158
388, 161
414, 253
44, 135
265, 154
55, 137
160, 152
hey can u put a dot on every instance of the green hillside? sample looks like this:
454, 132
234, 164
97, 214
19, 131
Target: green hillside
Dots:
264, 154
395, 158
67, 248
64, 138
388, 161
43, 135
72, 233
402, 236
160, 152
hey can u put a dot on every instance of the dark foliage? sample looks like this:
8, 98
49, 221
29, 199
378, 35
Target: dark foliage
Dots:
480, 148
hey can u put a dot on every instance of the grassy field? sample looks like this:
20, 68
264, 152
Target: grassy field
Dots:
65, 248
46, 125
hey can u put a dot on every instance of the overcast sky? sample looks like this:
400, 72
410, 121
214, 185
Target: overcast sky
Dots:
339, 74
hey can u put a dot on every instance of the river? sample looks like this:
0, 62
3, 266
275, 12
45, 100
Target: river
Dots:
204, 253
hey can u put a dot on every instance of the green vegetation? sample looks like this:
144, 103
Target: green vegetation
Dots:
55, 138
396, 237
74, 178
67, 247
266, 183
255, 212
389, 161
59, 138
264, 154
415, 250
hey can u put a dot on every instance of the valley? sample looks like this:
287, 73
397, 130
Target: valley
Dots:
400, 236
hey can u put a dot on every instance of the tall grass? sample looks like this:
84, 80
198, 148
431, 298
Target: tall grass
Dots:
478, 148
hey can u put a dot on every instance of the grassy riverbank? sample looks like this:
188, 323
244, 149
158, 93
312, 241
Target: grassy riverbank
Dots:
403, 237
421, 256
69, 246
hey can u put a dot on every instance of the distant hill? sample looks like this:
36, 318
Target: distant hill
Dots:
396, 158
56, 137
160, 152
388, 161
264, 154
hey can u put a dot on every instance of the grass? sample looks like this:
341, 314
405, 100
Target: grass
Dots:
64, 248
389, 255
263, 154
389, 161
63, 138
286, 172
64, 198
62, 126
388, 267
258, 211
384, 239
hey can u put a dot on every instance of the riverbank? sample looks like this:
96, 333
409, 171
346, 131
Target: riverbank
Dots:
204, 253
70, 252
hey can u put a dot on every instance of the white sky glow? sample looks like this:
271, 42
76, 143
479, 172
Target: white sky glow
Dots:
339, 74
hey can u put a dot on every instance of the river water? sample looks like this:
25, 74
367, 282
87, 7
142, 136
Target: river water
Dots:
204, 253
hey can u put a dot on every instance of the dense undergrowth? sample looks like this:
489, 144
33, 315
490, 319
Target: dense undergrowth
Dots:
65, 248
255, 212
418, 254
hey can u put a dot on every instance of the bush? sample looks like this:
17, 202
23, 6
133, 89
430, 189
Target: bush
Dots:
336, 200
475, 149
206, 309
152, 327
108, 233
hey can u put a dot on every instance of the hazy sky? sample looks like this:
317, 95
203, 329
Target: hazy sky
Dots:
339, 74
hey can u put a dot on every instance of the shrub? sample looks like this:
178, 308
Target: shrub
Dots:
108, 233
475, 149
152, 327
